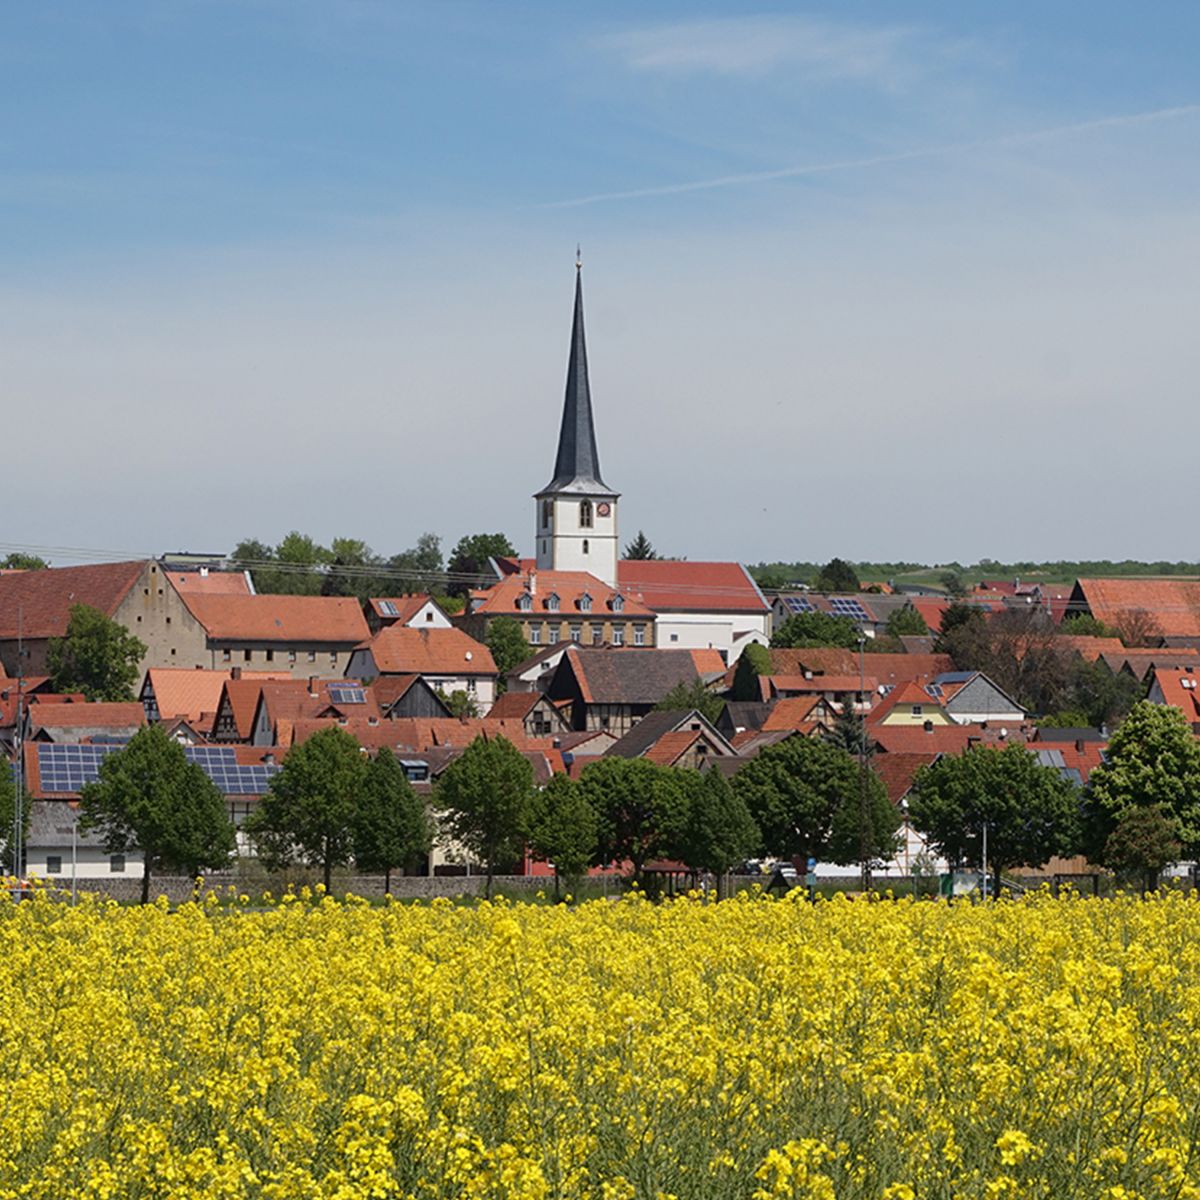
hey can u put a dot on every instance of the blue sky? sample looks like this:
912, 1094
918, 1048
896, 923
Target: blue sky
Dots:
886, 281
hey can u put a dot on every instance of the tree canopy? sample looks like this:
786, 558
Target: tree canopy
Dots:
506, 640
486, 795
23, 562
837, 575
719, 832
149, 797
1144, 840
906, 621
754, 660
640, 548
563, 829
641, 809
97, 657
309, 811
392, 830
813, 629
1031, 811
792, 791
8, 812
1153, 760
470, 557
684, 696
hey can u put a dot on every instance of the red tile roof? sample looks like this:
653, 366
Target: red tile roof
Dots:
907, 693
179, 692
668, 586
514, 705
1179, 689
1173, 605
295, 700
39, 602
795, 713
399, 650
820, 684
893, 669
821, 660
568, 586
86, 716
406, 607
211, 583
293, 620
671, 747
948, 739
708, 662
897, 770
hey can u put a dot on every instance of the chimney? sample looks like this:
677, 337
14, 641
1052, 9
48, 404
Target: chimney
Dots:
312, 685
556, 743
203, 572
1079, 745
531, 583
269, 760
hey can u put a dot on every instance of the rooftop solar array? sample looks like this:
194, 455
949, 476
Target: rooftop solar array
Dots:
388, 608
843, 606
799, 604
347, 695
67, 768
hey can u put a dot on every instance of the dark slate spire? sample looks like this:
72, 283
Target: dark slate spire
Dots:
577, 467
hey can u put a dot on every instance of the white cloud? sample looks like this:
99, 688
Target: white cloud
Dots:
820, 50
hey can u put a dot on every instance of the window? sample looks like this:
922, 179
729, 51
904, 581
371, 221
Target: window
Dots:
553, 640
917, 710
552, 602
585, 545
270, 656
429, 616
618, 635
332, 659
388, 608
226, 655
524, 602
576, 633
168, 620
618, 602
547, 515
291, 656
312, 656
535, 635
585, 514
597, 634
471, 686
585, 603
639, 635
53, 864
674, 637
246, 655
116, 864
139, 620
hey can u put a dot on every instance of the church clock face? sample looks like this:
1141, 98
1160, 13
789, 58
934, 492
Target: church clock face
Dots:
603, 509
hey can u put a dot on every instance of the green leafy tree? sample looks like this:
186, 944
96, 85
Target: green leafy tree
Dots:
258, 558
563, 830
685, 696
954, 584
719, 831
956, 617
811, 629
906, 621
23, 562
641, 810
309, 811
754, 661
1153, 761
353, 570
301, 565
1085, 625
487, 797
506, 640
792, 791
418, 569
149, 797
1145, 840
470, 557
460, 703
864, 825
837, 575
640, 548
849, 733
1031, 811
392, 830
97, 657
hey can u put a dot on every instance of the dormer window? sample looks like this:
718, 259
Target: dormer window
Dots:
552, 602
585, 603
618, 602
585, 514
524, 602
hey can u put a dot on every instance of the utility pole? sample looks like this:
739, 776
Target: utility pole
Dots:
18, 829
864, 831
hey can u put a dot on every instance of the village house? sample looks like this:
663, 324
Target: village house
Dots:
680, 738
418, 611
447, 659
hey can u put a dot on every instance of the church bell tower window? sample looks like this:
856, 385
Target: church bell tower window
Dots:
585, 514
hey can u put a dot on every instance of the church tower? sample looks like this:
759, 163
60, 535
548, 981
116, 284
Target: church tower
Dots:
577, 510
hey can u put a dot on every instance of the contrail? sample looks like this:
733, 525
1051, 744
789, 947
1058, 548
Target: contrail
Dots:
850, 164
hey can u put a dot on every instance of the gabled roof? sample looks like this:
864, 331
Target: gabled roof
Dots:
628, 676
819, 684
37, 604
655, 726
820, 660
1140, 662
1179, 689
295, 700
391, 689
892, 669
241, 696
1173, 605
517, 706
569, 586
907, 694
798, 713
293, 620
948, 739
577, 464
668, 586
400, 650
406, 607
179, 692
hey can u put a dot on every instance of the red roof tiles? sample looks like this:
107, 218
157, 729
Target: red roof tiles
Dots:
1171, 605
293, 620
38, 604
399, 650
668, 586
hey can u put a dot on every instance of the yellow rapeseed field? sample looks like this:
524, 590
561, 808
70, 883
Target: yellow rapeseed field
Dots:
751, 1049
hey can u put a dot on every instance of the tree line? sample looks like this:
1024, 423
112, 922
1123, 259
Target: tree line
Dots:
331, 805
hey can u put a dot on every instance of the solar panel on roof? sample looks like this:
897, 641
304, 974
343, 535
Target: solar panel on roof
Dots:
347, 695
799, 604
388, 608
69, 768
843, 606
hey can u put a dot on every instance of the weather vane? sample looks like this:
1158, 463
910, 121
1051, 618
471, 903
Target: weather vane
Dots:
578, 258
